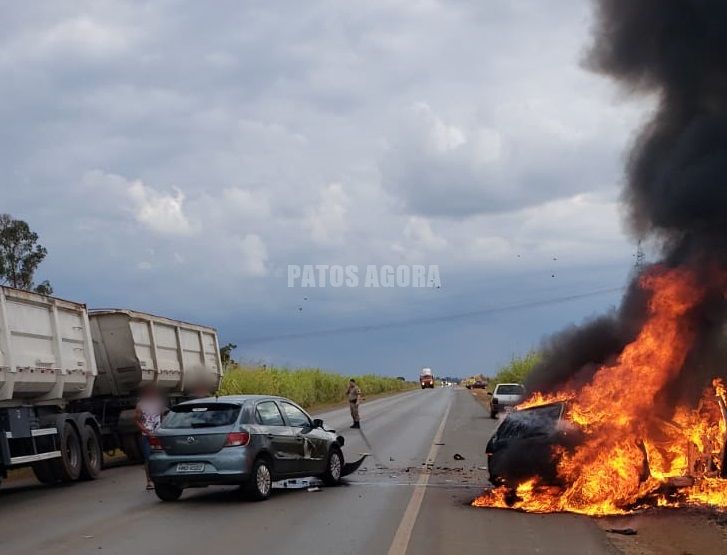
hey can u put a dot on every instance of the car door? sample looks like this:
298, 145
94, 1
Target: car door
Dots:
310, 447
278, 436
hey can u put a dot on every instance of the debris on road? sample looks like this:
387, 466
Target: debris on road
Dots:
350, 468
458, 457
295, 483
314, 488
622, 531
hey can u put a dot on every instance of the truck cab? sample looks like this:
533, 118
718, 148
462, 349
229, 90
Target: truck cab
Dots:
426, 379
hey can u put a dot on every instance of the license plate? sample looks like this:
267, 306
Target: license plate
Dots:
509, 409
190, 467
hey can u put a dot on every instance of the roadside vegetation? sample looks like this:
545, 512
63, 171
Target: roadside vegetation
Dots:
516, 370
306, 386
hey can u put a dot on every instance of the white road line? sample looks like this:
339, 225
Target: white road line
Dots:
406, 526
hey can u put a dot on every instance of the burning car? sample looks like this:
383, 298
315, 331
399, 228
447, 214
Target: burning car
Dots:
680, 459
524, 445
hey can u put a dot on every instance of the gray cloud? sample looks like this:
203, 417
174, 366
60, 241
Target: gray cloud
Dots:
163, 149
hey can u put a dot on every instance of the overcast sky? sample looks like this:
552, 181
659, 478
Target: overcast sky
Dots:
176, 157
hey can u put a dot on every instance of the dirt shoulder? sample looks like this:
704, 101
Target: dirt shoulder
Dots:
669, 532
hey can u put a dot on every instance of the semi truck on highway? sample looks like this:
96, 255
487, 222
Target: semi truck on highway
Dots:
69, 380
426, 379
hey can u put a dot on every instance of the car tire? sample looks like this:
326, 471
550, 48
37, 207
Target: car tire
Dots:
493, 414
167, 492
67, 467
91, 453
260, 485
334, 468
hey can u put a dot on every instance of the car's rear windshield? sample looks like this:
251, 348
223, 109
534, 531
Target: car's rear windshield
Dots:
505, 389
530, 422
201, 415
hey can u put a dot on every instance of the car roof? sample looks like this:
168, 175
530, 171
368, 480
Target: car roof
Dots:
518, 384
235, 399
536, 408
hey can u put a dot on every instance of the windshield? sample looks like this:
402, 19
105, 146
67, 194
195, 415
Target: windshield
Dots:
201, 415
506, 389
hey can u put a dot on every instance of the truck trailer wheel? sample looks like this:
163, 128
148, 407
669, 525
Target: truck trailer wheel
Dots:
44, 472
131, 448
91, 453
67, 467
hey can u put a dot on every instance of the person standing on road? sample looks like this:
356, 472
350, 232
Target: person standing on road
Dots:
149, 411
354, 398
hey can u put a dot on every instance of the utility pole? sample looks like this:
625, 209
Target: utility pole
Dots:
640, 257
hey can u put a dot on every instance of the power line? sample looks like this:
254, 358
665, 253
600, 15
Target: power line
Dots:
429, 320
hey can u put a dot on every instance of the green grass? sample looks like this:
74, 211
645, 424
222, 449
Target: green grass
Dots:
306, 386
516, 370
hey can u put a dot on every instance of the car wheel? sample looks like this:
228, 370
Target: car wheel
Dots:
67, 467
167, 492
260, 484
91, 452
332, 475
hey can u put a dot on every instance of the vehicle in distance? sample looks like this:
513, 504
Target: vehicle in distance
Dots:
478, 384
426, 379
245, 440
505, 396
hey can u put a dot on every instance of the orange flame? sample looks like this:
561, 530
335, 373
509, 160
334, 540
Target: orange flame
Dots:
630, 457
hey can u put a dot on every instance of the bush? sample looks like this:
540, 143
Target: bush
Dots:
306, 386
516, 370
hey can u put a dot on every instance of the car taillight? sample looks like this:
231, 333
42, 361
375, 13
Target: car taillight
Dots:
237, 439
494, 400
155, 444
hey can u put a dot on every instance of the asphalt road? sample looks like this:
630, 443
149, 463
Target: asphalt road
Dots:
410, 497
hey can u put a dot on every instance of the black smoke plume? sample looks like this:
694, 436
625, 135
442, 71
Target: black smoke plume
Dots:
675, 189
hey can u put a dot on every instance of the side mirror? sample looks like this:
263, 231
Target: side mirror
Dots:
317, 423
489, 393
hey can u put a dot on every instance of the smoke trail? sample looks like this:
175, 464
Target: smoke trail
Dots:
676, 176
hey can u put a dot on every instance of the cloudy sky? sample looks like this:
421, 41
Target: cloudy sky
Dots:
176, 157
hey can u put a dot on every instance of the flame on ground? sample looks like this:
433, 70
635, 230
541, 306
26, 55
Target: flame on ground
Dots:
631, 459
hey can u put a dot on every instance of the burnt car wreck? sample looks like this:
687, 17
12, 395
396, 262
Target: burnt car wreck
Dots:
678, 455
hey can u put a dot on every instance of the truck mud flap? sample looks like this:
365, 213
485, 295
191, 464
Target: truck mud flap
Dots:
350, 468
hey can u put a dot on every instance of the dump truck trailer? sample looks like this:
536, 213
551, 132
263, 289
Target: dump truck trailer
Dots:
70, 378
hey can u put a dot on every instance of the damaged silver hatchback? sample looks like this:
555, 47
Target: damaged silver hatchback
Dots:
244, 440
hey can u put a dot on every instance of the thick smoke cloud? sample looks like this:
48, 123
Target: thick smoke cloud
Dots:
676, 176
676, 49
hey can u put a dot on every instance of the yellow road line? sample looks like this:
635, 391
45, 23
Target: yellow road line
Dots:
406, 526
